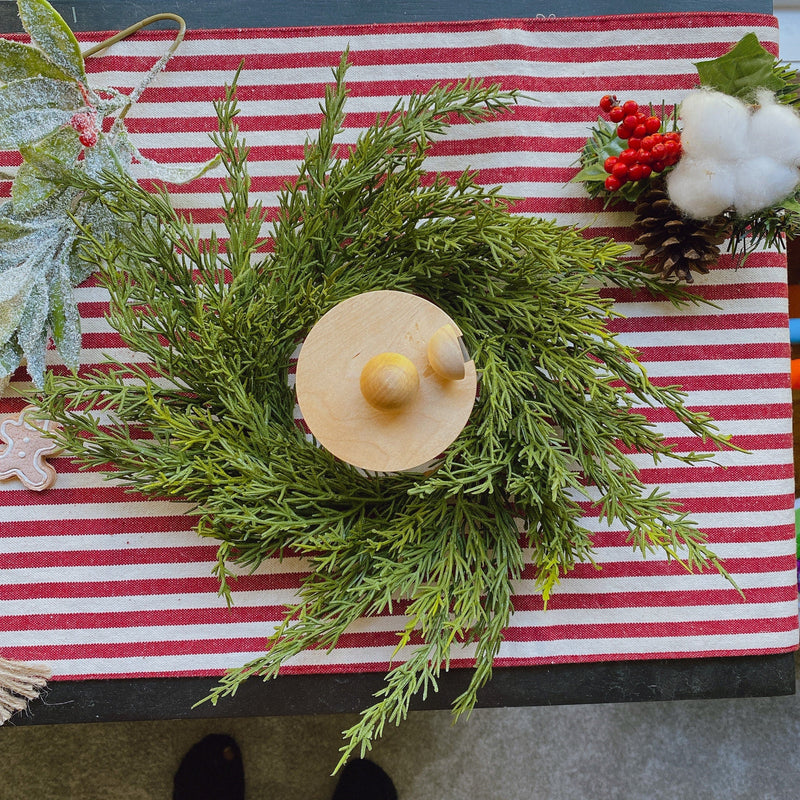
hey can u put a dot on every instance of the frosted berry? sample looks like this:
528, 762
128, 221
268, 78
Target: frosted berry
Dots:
85, 123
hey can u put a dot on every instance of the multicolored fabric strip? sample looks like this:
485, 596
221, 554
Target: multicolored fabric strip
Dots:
98, 582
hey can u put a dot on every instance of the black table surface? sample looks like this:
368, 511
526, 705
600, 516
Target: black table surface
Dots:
614, 681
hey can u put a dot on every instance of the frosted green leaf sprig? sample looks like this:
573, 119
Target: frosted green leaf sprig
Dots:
210, 420
54, 117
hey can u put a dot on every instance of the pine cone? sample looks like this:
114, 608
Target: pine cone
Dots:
676, 244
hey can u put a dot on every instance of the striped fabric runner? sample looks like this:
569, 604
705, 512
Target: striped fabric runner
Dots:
97, 582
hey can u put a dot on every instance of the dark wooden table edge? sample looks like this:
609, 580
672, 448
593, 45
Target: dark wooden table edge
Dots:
125, 700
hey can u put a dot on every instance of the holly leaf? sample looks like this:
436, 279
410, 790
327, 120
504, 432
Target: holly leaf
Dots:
16, 285
63, 317
49, 32
19, 61
33, 184
33, 108
747, 67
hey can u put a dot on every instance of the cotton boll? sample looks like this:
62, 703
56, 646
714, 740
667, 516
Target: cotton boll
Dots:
761, 182
714, 124
701, 189
775, 132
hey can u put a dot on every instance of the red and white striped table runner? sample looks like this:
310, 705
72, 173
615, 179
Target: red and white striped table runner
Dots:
98, 582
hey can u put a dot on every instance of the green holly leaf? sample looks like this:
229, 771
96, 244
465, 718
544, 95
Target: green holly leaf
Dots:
11, 229
33, 108
19, 61
49, 32
743, 70
33, 184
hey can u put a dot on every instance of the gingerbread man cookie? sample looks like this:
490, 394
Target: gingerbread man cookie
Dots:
26, 450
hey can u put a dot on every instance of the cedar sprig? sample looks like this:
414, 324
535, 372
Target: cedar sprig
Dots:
205, 415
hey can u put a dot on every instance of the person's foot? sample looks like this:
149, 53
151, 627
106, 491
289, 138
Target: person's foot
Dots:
364, 780
211, 770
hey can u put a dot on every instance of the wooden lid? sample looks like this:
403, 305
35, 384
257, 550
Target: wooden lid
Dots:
424, 412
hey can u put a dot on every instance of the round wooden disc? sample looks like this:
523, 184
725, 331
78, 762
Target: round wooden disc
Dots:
328, 383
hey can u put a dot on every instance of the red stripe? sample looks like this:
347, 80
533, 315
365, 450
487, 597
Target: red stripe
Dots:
93, 527
275, 613
138, 587
435, 54
688, 322
549, 633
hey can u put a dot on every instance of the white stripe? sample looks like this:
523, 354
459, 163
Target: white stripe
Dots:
313, 40
676, 646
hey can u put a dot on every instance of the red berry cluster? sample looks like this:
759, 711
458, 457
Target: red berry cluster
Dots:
85, 122
648, 149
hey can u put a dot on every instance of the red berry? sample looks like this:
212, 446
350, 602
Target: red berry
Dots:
612, 183
653, 124
644, 156
672, 136
639, 131
634, 143
607, 102
616, 114
624, 132
620, 171
648, 142
628, 156
658, 166
636, 171
672, 147
630, 121
646, 170
659, 151
85, 123
609, 163
630, 107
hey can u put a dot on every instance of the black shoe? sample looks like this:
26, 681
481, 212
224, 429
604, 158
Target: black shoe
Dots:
211, 770
364, 780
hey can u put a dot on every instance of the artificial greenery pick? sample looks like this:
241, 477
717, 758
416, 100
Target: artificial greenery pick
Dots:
53, 116
210, 418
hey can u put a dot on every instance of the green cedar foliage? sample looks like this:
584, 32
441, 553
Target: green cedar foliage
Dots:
210, 418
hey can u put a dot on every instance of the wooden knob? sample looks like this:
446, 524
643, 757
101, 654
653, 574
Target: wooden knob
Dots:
446, 353
389, 381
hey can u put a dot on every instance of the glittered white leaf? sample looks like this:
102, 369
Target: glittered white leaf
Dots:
33, 108
48, 31
63, 318
10, 359
32, 331
16, 285
19, 60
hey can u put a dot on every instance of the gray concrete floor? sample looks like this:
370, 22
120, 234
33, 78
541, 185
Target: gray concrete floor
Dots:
685, 750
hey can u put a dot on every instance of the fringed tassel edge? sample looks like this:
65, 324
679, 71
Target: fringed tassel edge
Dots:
19, 684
